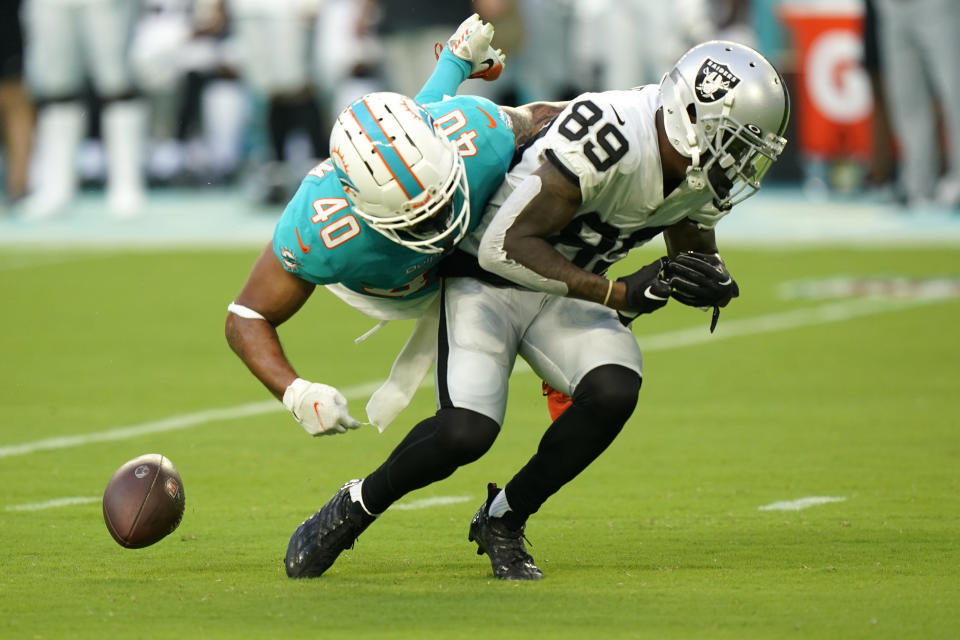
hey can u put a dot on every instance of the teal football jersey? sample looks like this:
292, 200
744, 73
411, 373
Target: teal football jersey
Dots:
319, 238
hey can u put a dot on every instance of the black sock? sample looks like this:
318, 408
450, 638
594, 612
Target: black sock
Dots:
430, 452
602, 403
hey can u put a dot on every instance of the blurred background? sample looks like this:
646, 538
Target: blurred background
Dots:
176, 112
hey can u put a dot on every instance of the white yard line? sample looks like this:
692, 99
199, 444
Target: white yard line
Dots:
172, 423
426, 503
800, 503
832, 312
808, 316
52, 504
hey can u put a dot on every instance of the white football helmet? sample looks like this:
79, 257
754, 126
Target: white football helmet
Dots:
401, 174
726, 108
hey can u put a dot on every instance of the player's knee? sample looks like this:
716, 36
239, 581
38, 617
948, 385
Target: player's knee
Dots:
610, 392
465, 435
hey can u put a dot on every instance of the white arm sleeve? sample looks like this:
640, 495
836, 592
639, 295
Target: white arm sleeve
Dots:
491, 253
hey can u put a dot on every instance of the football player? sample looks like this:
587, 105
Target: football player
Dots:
439, 161
611, 172
66, 41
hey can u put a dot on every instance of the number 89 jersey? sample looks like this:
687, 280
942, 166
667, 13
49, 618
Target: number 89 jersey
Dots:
607, 143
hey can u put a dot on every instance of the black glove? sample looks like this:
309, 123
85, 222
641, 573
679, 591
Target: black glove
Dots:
700, 280
647, 290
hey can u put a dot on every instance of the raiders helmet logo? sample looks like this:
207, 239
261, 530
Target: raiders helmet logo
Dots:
714, 80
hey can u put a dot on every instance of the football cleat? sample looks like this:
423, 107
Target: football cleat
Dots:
471, 42
490, 67
317, 542
504, 545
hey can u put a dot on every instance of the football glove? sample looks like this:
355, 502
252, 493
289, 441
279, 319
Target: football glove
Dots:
700, 280
647, 290
319, 408
471, 42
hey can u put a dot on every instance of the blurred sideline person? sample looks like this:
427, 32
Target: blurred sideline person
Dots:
16, 109
631, 42
881, 164
404, 27
612, 171
67, 41
381, 255
347, 53
543, 67
183, 62
274, 40
920, 48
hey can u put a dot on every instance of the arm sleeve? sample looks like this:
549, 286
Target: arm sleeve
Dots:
446, 78
491, 254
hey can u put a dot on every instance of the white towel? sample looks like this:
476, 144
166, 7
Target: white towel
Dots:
411, 366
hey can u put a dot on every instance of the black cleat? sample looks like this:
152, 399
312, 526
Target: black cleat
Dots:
317, 542
504, 545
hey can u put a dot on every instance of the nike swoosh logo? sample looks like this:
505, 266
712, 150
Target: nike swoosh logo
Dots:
493, 123
651, 295
303, 247
317, 411
486, 67
619, 119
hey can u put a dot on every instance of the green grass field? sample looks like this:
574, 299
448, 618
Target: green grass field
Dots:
846, 397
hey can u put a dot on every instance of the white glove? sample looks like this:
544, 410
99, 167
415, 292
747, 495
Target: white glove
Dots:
471, 42
319, 408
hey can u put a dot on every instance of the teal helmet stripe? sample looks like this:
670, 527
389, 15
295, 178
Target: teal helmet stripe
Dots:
394, 162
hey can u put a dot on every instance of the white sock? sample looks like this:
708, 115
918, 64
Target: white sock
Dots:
356, 494
124, 136
499, 506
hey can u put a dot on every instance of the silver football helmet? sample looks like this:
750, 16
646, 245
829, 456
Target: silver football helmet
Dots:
402, 176
726, 108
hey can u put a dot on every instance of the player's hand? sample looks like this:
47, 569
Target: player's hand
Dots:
471, 42
319, 408
647, 290
700, 280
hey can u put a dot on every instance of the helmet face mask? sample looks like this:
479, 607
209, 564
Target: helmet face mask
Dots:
736, 160
403, 177
726, 108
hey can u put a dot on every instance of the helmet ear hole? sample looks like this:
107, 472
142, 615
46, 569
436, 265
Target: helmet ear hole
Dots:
692, 112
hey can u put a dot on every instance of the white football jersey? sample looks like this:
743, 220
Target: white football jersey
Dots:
607, 142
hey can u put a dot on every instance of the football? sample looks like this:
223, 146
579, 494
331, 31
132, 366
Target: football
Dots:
143, 502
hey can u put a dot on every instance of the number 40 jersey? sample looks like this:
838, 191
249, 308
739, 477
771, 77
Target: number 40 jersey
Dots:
320, 240
607, 143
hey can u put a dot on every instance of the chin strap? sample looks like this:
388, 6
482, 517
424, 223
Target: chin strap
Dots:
692, 142
695, 177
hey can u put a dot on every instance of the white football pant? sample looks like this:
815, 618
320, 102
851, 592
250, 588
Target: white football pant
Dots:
562, 339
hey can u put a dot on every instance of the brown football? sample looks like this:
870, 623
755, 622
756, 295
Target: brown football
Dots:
144, 501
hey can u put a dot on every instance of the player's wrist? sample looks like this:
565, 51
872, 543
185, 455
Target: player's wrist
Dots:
606, 298
293, 392
447, 54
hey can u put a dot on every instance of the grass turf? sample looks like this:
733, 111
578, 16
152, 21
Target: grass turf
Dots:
661, 537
